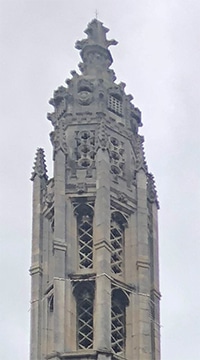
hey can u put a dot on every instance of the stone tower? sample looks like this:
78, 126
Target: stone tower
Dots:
95, 277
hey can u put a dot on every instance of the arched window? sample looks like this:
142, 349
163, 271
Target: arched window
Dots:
117, 227
84, 214
85, 298
118, 321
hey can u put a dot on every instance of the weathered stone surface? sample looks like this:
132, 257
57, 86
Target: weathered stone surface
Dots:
95, 269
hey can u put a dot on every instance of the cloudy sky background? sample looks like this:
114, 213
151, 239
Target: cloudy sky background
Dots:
158, 57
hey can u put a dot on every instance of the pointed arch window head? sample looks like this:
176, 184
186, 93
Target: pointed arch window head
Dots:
85, 235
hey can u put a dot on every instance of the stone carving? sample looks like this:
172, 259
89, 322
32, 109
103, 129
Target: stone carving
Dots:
58, 138
85, 148
140, 156
81, 188
60, 102
116, 150
122, 197
96, 33
94, 50
85, 89
102, 136
48, 202
48, 194
151, 190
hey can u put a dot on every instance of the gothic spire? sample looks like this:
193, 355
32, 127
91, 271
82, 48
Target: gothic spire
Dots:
39, 167
94, 49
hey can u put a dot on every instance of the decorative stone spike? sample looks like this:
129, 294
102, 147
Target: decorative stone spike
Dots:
39, 167
58, 138
102, 136
140, 155
96, 33
151, 190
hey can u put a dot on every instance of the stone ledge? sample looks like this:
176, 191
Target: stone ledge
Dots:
143, 263
35, 269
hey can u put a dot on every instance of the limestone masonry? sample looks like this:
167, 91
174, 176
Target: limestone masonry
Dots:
95, 273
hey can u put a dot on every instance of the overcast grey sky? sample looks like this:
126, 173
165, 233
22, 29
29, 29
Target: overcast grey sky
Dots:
158, 57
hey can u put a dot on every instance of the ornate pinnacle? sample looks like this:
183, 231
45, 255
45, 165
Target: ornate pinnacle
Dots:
96, 33
39, 167
151, 189
140, 155
102, 136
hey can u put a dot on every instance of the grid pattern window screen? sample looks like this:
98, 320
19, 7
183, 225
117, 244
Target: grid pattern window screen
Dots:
85, 319
115, 105
117, 327
85, 242
116, 238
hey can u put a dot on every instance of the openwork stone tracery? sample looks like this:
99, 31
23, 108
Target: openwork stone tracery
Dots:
116, 156
85, 148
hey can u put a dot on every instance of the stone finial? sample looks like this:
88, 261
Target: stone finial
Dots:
96, 33
151, 190
39, 167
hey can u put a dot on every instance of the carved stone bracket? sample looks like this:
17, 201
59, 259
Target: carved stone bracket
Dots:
58, 138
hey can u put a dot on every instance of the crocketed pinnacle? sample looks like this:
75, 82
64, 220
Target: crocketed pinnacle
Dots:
39, 167
151, 189
96, 33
